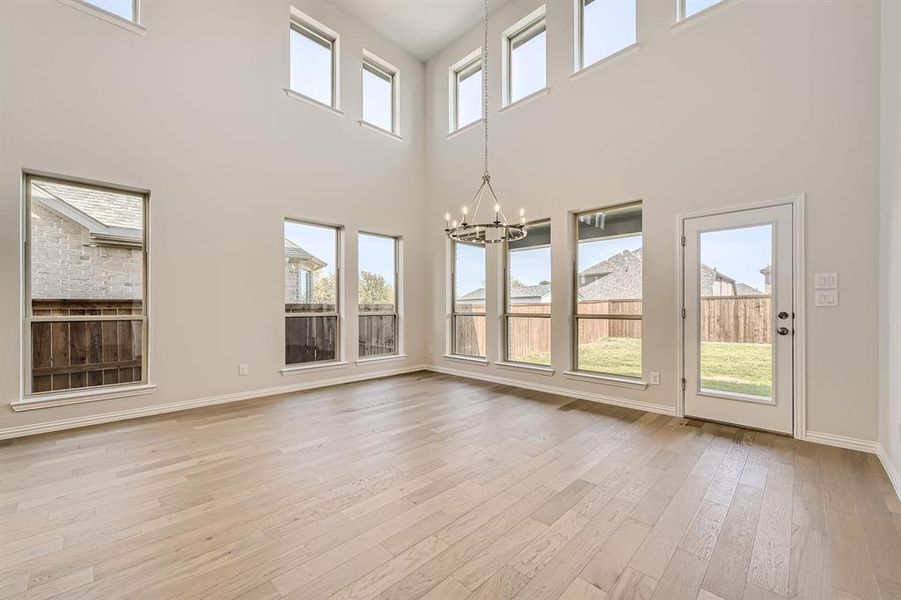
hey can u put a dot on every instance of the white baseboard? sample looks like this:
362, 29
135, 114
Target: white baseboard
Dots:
134, 413
890, 469
841, 441
551, 389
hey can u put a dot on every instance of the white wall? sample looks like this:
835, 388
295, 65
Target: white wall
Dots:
195, 112
753, 101
890, 325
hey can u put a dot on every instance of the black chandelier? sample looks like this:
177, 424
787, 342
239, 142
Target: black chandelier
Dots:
485, 232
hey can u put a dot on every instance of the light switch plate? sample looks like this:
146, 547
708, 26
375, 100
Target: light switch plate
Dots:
827, 281
655, 378
827, 298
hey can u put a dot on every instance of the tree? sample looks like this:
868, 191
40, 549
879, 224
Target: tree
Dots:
374, 289
324, 290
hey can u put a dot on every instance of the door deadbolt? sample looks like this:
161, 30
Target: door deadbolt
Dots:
782, 331
783, 315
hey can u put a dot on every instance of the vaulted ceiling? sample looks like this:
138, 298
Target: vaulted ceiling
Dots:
421, 27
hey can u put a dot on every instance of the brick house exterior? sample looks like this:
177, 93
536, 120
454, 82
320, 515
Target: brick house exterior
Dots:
70, 256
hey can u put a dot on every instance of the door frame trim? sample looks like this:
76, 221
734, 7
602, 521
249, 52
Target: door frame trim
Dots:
799, 341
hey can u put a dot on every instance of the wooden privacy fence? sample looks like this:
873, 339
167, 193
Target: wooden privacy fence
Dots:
735, 319
84, 353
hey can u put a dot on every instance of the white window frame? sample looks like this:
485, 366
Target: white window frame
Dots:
509, 314
31, 399
316, 31
134, 25
452, 346
338, 313
601, 316
519, 33
391, 74
398, 308
579, 28
465, 67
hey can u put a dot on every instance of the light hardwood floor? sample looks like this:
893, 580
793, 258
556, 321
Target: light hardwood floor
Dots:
426, 486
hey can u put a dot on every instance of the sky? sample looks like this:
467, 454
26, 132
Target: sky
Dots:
528, 67
321, 242
376, 100
609, 26
531, 266
377, 255
739, 253
693, 6
123, 8
469, 100
470, 271
311, 68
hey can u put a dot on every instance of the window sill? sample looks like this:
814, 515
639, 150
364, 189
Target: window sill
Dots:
66, 398
635, 384
390, 134
699, 16
306, 99
472, 360
515, 366
323, 366
542, 92
380, 359
466, 127
105, 15
630, 49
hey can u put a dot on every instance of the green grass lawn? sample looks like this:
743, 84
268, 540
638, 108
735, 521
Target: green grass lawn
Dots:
736, 368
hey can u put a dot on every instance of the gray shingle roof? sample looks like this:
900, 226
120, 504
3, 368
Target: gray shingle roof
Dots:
743, 289
526, 291
293, 251
113, 209
619, 278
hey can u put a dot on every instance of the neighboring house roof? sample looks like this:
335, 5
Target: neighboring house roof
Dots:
614, 263
109, 217
743, 289
518, 293
297, 254
616, 277
619, 277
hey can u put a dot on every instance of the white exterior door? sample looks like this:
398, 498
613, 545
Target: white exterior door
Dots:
738, 318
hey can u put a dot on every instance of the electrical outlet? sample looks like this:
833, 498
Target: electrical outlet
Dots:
243, 369
431, 349
655, 378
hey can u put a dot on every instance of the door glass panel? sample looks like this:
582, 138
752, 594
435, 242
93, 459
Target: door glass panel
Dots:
736, 291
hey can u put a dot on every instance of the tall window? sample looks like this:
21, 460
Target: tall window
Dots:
313, 60
605, 27
377, 295
312, 280
528, 297
468, 311
379, 93
466, 83
609, 291
689, 8
86, 322
127, 9
526, 57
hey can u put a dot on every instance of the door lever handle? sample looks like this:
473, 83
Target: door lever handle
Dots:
782, 331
